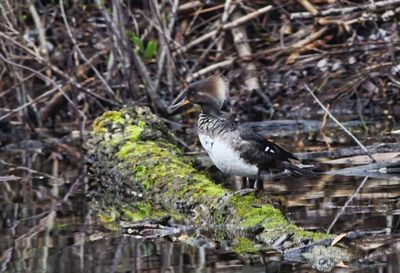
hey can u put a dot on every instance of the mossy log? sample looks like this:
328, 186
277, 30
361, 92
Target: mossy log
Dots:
142, 174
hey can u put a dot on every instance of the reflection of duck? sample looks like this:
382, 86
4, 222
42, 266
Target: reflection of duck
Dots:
235, 149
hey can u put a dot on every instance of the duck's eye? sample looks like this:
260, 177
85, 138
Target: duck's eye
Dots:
191, 92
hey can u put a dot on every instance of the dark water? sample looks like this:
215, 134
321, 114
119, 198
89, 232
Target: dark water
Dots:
47, 226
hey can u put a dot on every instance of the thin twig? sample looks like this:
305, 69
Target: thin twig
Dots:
40, 29
190, 6
248, 17
37, 99
164, 37
345, 10
61, 73
116, 22
74, 42
210, 68
227, 26
308, 6
45, 78
309, 38
12, 88
347, 204
321, 130
149, 83
340, 124
5, 17
206, 52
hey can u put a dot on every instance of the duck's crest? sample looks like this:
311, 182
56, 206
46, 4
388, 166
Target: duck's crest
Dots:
218, 86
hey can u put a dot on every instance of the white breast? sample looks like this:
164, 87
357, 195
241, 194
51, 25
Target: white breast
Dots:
225, 157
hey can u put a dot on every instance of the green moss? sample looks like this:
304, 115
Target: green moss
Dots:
161, 163
142, 210
116, 139
244, 245
107, 218
253, 212
139, 211
60, 227
141, 124
110, 117
158, 166
153, 162
315, 236
203, 187
131, 215
133, 132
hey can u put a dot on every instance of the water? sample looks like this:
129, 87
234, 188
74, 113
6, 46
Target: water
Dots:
47, 225
315, 203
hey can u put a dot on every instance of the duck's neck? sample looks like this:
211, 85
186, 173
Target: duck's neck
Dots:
211, 109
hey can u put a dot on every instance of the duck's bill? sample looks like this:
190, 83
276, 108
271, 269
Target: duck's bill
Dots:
180, 101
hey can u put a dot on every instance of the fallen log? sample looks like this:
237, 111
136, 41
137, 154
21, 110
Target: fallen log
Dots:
383, 167
350, 151
140, 174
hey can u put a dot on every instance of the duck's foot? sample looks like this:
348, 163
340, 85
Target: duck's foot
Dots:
259, 189
243, 192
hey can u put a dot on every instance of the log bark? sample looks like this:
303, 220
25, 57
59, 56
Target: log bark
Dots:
140, 173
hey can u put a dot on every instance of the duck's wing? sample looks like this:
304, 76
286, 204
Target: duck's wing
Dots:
274, 151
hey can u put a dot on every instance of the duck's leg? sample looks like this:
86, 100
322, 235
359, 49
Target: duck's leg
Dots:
250, 183
245, 189
245, 182
259, 183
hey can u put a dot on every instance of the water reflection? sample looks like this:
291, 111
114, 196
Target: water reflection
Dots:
77, 253
314, 203
47, 226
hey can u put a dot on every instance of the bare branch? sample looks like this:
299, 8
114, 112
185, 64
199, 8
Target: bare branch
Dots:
339, 123
73, 40
226, 26
344, 10
347, 204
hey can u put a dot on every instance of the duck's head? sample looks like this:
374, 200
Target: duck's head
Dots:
209, 93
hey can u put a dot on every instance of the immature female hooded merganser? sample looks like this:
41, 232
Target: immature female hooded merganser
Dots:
235, 149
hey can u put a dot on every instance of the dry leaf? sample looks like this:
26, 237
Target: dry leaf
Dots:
292, 57
338, 238
342, 264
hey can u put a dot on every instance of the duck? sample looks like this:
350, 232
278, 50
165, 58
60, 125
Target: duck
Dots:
235, 149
